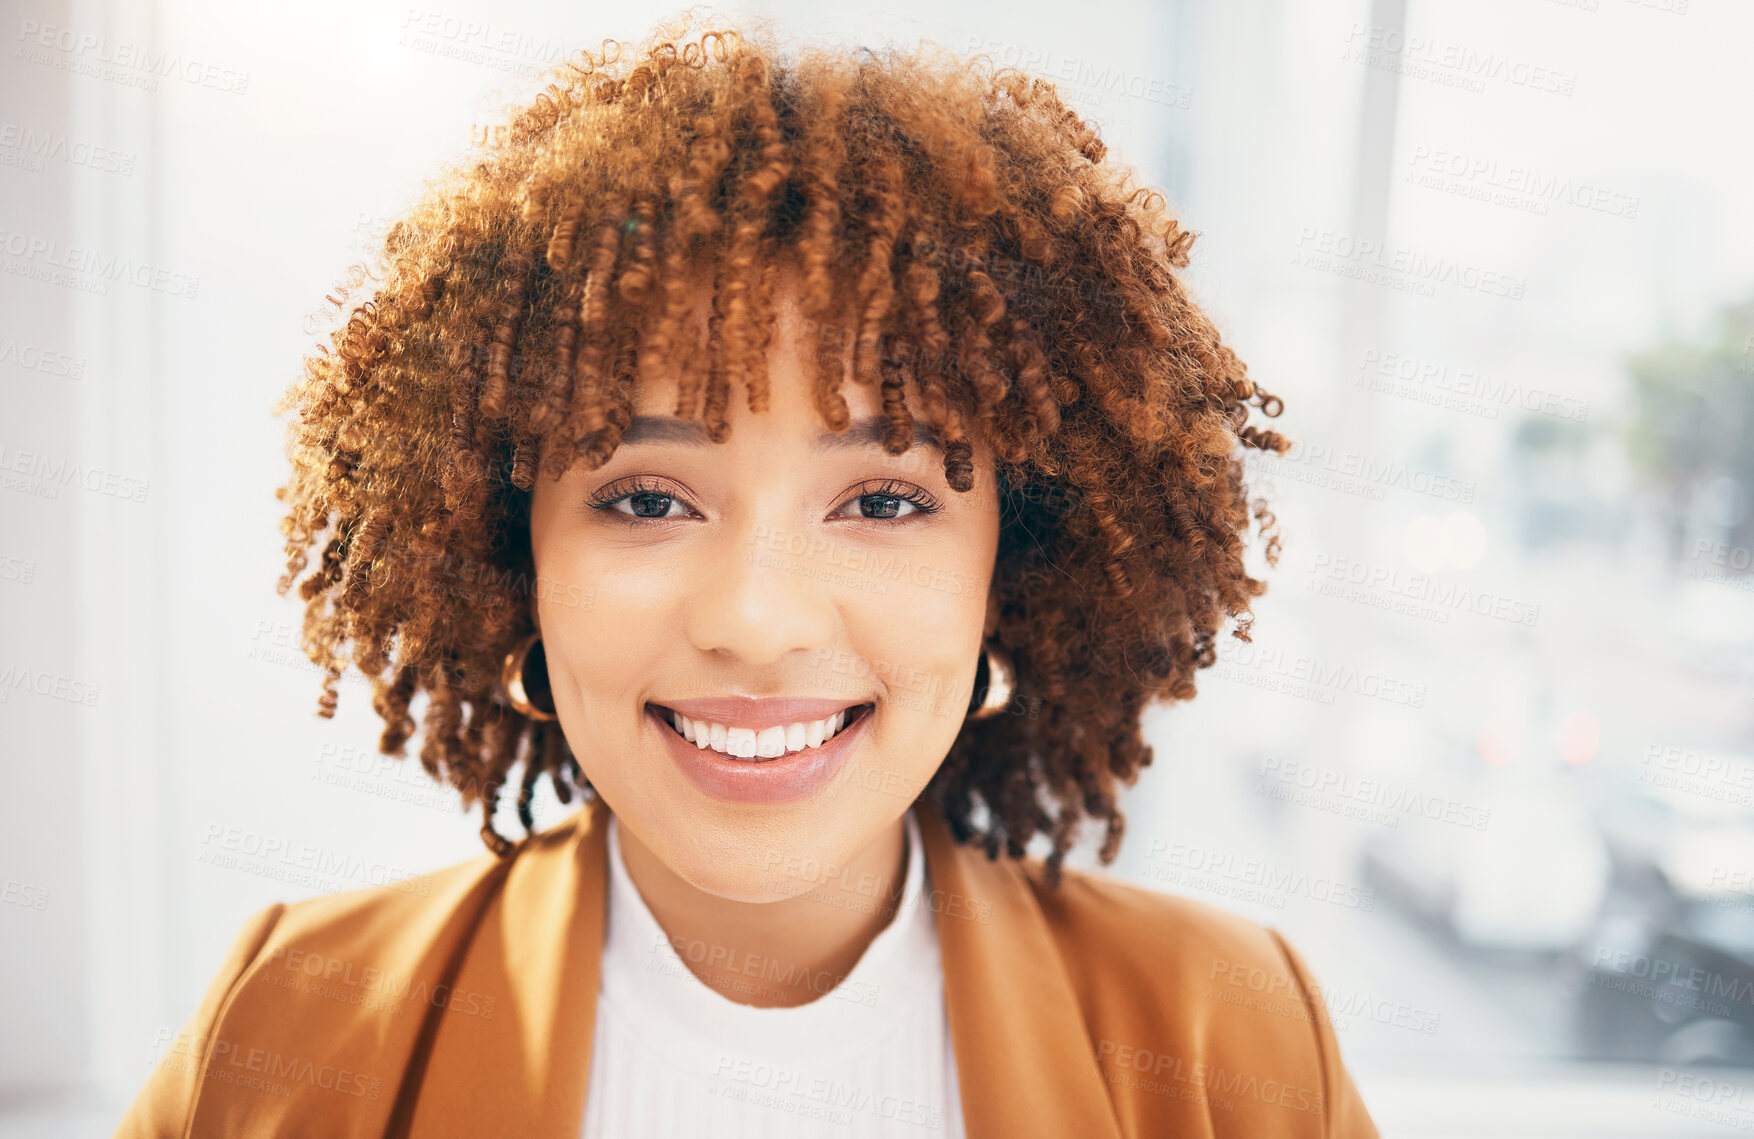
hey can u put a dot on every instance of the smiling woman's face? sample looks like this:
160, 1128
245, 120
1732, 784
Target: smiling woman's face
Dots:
782, 578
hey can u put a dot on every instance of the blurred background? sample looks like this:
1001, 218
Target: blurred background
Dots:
1488, 760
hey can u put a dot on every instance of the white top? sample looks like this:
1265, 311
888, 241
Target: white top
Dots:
673, 1057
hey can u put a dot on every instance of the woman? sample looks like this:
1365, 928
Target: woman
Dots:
813, 462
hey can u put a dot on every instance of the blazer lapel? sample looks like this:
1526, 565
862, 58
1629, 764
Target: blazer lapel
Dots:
512, 1052
1023, 1055
520, 1064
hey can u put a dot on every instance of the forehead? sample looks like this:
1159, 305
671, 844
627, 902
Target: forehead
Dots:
864, 431
792, 404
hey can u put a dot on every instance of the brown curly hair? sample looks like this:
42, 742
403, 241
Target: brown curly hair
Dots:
955, 231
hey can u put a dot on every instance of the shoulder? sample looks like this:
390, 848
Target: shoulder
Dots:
1119, 940
383, 938
328, 996
402, 923
379, 920
1185, 999
1182, 942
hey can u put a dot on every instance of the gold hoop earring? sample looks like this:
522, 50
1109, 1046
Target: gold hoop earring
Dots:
512, 676
996, 663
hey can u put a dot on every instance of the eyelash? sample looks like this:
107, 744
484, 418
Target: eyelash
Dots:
605, 499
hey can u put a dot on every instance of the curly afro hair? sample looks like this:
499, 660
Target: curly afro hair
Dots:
957, 238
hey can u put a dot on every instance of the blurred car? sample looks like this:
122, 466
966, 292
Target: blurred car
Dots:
1532, 880
1667, 974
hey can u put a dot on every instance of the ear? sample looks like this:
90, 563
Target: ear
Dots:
992, 621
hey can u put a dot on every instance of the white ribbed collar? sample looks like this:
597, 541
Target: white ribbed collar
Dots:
646, 984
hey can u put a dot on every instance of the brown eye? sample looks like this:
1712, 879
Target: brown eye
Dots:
639, 499
650, 504
885, 500
881, 505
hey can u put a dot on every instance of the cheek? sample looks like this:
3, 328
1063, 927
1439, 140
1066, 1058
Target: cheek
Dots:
921, 641
602, 626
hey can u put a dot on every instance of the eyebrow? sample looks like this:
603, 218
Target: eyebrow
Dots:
867, 432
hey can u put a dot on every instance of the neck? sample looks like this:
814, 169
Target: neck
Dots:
816, 938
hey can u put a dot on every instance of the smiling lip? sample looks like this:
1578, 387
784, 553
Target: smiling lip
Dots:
777, 780
748, 712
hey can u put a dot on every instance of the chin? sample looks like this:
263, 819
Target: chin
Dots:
744, 858
754, 888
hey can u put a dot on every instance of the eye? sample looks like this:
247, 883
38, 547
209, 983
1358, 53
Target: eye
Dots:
650, 504
647, 500
884, 501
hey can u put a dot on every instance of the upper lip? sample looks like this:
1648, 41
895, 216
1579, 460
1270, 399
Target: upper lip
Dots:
750, 712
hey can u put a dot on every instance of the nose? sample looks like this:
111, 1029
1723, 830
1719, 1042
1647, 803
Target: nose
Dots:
761, 593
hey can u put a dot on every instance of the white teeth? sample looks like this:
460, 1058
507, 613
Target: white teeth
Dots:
767, 743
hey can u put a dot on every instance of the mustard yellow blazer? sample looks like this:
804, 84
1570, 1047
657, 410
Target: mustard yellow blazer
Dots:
462, 1003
